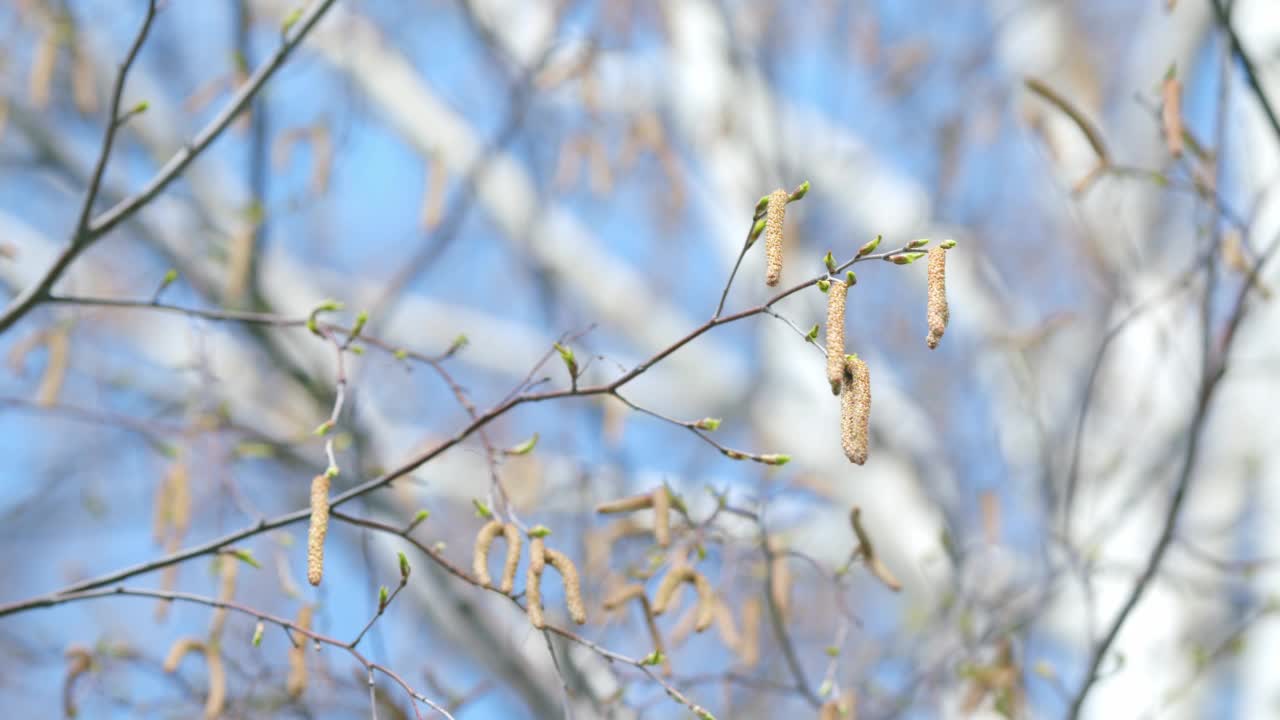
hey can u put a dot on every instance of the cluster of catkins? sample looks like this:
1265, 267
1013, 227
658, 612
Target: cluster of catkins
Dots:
847, 373
539, 557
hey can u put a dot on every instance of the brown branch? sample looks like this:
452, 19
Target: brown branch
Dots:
91, 230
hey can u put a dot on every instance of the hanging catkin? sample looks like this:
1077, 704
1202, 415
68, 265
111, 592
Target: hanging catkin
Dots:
835, 334
319, 527
855, 409
706, 596
937, 311
480, 558
775, 214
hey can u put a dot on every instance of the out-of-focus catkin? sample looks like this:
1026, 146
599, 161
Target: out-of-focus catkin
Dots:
480, 558
661, 517
79, 662
179, 650
228, 566
855, 409
780, 576
749, 649
217, 684
938, 313
706, 596
836, 295
319, 527
774, 218
296, 682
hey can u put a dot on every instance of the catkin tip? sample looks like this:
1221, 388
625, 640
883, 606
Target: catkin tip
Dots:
775, 215
938, 313
836, 295
319, 528
855, 409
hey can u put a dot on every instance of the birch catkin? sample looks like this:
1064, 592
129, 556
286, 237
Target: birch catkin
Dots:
179, 650
297, 680
835, 334
938, 312
480, 558
661, 517
775, 214
319, 527
855, 409
706, 596
572, 586
217, 684
533, 584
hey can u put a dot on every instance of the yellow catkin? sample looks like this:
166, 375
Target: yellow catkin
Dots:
855, 410
537, 554
636, 592
217, 684
58, 344
319, 527
83, 92
227, 568
179, 650
937, 312
661, 517
706, 596
533, 584
726, 627
600, 543
830, 710
179, 498
867, 551
626, 504
297, 679
1171, 115
774, 217
480, 558
43, 61
749, 649
624, 595
160, 511
572, 585
780, 577
836, 296
79, 661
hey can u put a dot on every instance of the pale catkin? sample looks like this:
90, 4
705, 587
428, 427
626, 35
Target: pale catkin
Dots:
79, 662
626, 504
533, 584
227, 568
749, 649
780, 578
830, 710
836, 296
706, 596
726, 627
537, 554
937, 311
572, 585
855, 410
774, 218
480, 557
623, 595
296, 682
319, 527
179, 650
217, 684
661, 517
